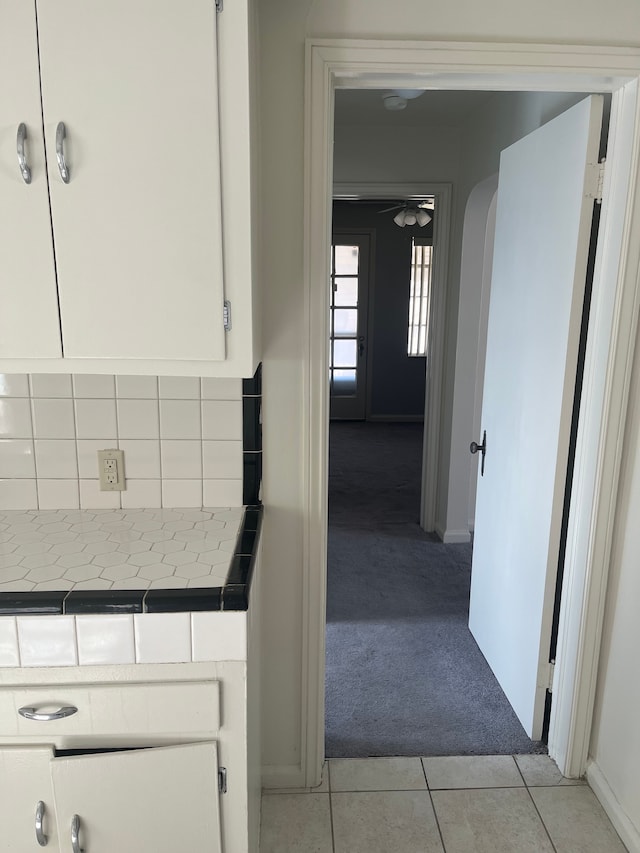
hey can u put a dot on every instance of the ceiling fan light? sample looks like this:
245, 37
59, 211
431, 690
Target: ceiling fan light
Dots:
399, 218
410, 217
423, 217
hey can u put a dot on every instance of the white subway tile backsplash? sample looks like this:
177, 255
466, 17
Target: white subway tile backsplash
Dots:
14, 385
138, 419
50, 385
51, 438
221, 389
15, 418
221, 419
95, 418
16, 458
90, 385
141, 494
137, 387
9, 655
105, 639
18, 494
141, 458
180, 419
181, 460
182, 493
221, 492
222, 460
92, 498
56, 458
47, 640
179, 387
162, 637
58, 494
53, 418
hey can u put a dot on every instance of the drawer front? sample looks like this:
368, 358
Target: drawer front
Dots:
179, 709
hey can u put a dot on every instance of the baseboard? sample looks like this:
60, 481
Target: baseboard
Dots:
408, 419
454, 537
624, 827
283, 776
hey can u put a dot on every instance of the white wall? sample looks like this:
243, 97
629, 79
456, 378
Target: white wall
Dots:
615, 744
284, 26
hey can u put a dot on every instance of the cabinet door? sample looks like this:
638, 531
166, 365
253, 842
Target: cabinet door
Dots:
159, 800
29, 325
138, 226
25, 781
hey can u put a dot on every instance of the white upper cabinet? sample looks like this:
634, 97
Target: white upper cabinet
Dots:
29, 326
141, 176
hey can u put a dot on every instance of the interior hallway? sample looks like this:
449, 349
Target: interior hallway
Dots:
479, 804
404, 674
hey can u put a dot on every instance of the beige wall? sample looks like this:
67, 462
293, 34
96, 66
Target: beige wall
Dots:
284, 26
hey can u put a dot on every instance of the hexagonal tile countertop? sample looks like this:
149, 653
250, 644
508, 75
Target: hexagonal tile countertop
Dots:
116, 549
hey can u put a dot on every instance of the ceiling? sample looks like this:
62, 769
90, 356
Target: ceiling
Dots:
433, 107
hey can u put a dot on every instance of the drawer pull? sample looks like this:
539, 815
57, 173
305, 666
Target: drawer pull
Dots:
61, 133
75, 834
47, 716
40, 835
25, 171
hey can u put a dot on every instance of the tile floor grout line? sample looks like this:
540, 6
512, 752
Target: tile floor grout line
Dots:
553, 846
333, 835
433, 806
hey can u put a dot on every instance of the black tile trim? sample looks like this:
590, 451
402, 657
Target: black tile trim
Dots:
251, 426
253, 387
104, 601
45, 603
234, 595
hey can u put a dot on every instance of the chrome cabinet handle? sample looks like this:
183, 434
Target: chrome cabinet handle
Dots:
61, 133
75, 834
25, 171
40, 836
47, 716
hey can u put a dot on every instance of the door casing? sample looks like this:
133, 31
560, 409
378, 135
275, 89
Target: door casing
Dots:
331, 64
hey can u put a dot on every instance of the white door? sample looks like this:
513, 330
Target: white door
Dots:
27, 813
29, 324
160, 800
348, 325
544, 215
138, 226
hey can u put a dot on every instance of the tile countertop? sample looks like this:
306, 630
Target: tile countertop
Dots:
126, 561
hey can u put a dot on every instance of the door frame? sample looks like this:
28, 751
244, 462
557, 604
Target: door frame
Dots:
333, 63
442, 192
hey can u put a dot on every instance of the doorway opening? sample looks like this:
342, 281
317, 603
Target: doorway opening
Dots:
334, 64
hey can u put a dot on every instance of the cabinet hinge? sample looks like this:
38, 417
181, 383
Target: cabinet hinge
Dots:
595, 180
222, 780
552, 669
219, 5
226, 315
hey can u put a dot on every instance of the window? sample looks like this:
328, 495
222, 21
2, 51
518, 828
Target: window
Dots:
419, 295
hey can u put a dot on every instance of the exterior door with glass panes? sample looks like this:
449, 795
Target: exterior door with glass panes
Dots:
348, 325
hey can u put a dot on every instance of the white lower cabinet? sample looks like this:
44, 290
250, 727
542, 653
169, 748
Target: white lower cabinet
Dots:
131, 758
144, 800
149, 800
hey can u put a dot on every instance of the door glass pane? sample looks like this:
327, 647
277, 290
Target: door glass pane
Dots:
344, 383
345, 322
346, 260
345, 292
344, 353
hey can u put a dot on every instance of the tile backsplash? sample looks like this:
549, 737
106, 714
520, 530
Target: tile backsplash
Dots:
182, 439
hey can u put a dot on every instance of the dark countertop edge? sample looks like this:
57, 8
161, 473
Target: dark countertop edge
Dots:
234, 595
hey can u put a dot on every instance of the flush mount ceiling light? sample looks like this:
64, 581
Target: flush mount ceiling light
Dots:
397, 99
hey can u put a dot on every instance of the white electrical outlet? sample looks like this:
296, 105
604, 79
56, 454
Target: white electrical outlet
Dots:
111, 470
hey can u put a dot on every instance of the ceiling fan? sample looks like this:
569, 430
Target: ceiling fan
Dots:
412, 212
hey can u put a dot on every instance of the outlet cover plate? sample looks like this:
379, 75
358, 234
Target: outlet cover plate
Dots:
111, 470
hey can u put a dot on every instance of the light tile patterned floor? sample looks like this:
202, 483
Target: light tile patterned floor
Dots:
479, 804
